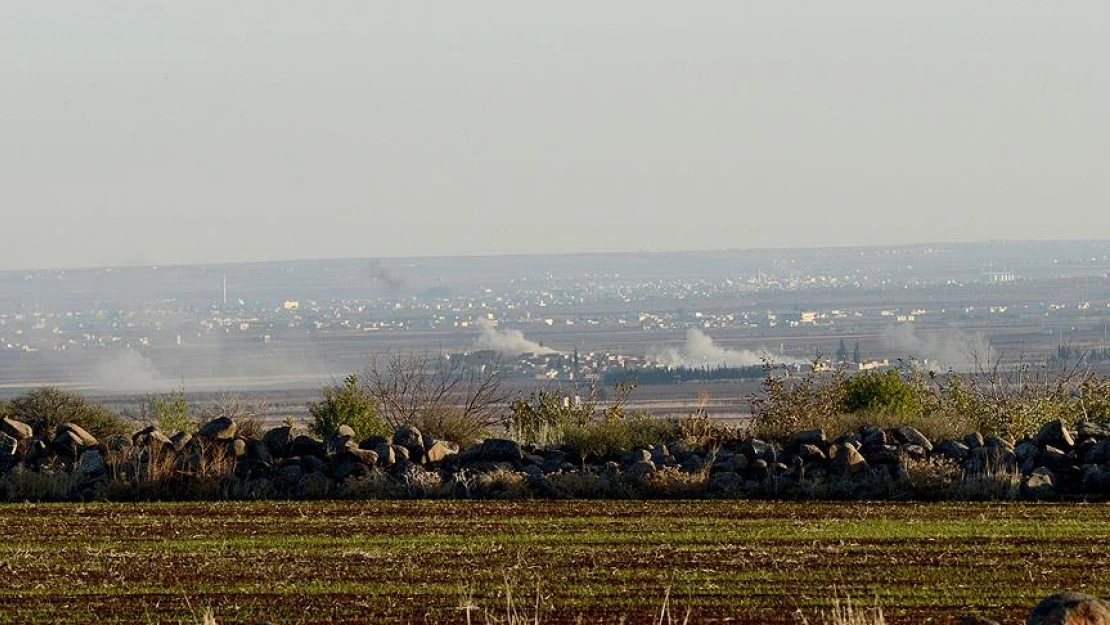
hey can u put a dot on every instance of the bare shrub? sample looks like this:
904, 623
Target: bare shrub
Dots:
449, 423
409, 386
701, 430
148, 474
674, 483
248, 414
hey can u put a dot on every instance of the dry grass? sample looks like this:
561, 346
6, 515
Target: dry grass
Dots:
22, 484
847, 614
997, 482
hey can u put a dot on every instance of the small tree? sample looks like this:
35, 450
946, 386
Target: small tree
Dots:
350, 404
44, 409
169, 412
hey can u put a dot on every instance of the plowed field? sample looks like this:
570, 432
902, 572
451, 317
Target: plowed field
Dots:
418, 562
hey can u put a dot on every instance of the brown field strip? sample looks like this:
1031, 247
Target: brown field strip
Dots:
402, 562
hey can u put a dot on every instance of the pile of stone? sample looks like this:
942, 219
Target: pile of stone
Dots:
1058, 462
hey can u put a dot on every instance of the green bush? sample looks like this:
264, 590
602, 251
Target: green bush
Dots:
44, 409
544, 416
169, 412
5, 409
350, 404
881, 392
611, 437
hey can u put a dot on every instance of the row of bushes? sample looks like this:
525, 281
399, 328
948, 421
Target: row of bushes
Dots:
1010, 403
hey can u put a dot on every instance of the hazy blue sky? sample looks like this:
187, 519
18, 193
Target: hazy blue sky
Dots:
195, 131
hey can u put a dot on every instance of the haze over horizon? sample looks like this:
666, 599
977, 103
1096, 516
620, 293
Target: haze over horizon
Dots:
212, 132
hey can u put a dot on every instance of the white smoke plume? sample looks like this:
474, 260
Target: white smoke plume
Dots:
508, 342
130, 372
699, 350
939, 351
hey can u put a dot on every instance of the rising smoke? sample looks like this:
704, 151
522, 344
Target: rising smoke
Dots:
130, 372
938, 351
700, 351
508, 342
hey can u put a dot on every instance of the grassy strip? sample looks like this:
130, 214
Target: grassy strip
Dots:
421, 561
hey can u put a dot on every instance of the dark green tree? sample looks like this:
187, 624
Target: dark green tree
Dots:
350, 404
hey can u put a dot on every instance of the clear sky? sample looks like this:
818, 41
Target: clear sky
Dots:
201, 131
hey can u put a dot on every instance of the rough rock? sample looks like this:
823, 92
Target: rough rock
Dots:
1026, 450
437, 451
408, 436
386, 456
1041, 484
917, 452
1098, 431
218, 429
953, 449
16, 429
67, 444
660, 455
180, 440
637, 455
306, 446
815, 437
846, 460
1056, 434
313, 464
87, 440
911, 436
810, 453
258, 450
1099, 454
345, 430
641, 470
1096, 480
875, 439
1070, 608
756, 449
365, 456
973, 440
1056, 460
90, 465
278, 440
494, 450
151, 437
237, 447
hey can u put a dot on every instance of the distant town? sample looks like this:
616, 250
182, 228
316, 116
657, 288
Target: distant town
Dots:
557, 319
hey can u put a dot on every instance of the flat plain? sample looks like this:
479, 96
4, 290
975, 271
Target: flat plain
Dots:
580, 561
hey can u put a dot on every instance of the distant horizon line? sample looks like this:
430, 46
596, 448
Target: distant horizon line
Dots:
336, 259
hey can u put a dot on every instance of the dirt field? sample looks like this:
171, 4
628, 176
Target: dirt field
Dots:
417, 562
